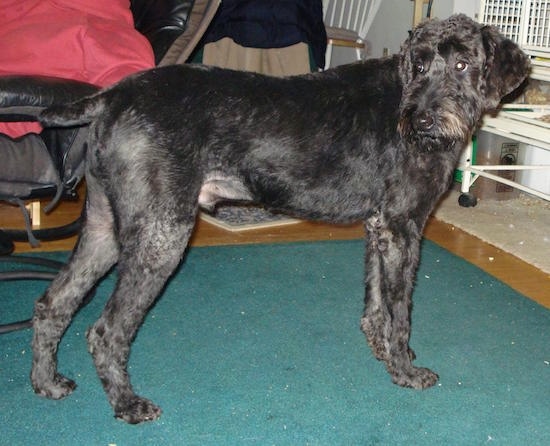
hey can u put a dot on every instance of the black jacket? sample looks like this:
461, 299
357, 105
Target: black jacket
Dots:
271, 24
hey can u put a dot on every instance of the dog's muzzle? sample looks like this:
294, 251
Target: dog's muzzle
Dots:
414, 123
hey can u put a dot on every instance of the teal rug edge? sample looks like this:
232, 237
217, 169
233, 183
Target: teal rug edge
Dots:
310, 379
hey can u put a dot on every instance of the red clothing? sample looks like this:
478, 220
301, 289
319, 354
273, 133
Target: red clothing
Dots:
88, 40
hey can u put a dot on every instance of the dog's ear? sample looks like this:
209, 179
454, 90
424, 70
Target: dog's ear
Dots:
506, 66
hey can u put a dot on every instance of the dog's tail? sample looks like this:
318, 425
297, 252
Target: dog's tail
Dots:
82, 111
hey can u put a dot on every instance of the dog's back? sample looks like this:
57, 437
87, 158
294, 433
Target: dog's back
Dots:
160, 87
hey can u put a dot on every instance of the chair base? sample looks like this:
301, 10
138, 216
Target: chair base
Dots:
6, 248
27, 275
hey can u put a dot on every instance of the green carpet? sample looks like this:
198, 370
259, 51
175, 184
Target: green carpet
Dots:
260, 345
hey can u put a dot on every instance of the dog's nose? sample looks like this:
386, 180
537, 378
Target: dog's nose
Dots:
423, 121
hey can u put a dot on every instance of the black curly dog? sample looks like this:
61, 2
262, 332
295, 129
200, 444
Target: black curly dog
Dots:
374, 141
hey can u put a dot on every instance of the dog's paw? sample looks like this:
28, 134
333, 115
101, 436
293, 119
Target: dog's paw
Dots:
415, 377
136, 410
59, 387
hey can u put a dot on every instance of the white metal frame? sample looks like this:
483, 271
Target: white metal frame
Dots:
355, 16
515, 126
528, 23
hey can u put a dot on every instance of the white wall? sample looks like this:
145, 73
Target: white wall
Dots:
444, 8
390, 27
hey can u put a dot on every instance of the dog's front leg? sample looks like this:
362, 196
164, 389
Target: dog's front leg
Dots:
391, 261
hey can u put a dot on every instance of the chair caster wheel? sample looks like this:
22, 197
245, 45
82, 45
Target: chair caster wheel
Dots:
467, 200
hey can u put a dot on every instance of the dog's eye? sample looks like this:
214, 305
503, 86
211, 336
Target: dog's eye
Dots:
419, 67
461, 65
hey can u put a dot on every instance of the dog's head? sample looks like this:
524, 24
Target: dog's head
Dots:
453, 71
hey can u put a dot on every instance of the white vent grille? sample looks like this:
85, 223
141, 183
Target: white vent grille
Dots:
526, 22
503, 14
538, 29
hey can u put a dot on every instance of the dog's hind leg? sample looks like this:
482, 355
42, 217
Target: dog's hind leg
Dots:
391, 261
94, 255
152, 245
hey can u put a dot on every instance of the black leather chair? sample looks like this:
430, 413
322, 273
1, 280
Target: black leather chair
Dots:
52, 164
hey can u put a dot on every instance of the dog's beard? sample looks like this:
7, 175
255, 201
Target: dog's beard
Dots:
448, 130
428, 143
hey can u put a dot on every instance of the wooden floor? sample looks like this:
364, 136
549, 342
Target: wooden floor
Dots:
519, 275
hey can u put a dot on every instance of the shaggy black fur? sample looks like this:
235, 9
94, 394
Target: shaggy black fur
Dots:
375, 141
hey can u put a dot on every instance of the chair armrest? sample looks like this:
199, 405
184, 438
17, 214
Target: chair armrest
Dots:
22, 97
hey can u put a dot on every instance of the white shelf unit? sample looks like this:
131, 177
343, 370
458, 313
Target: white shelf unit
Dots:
526, 22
